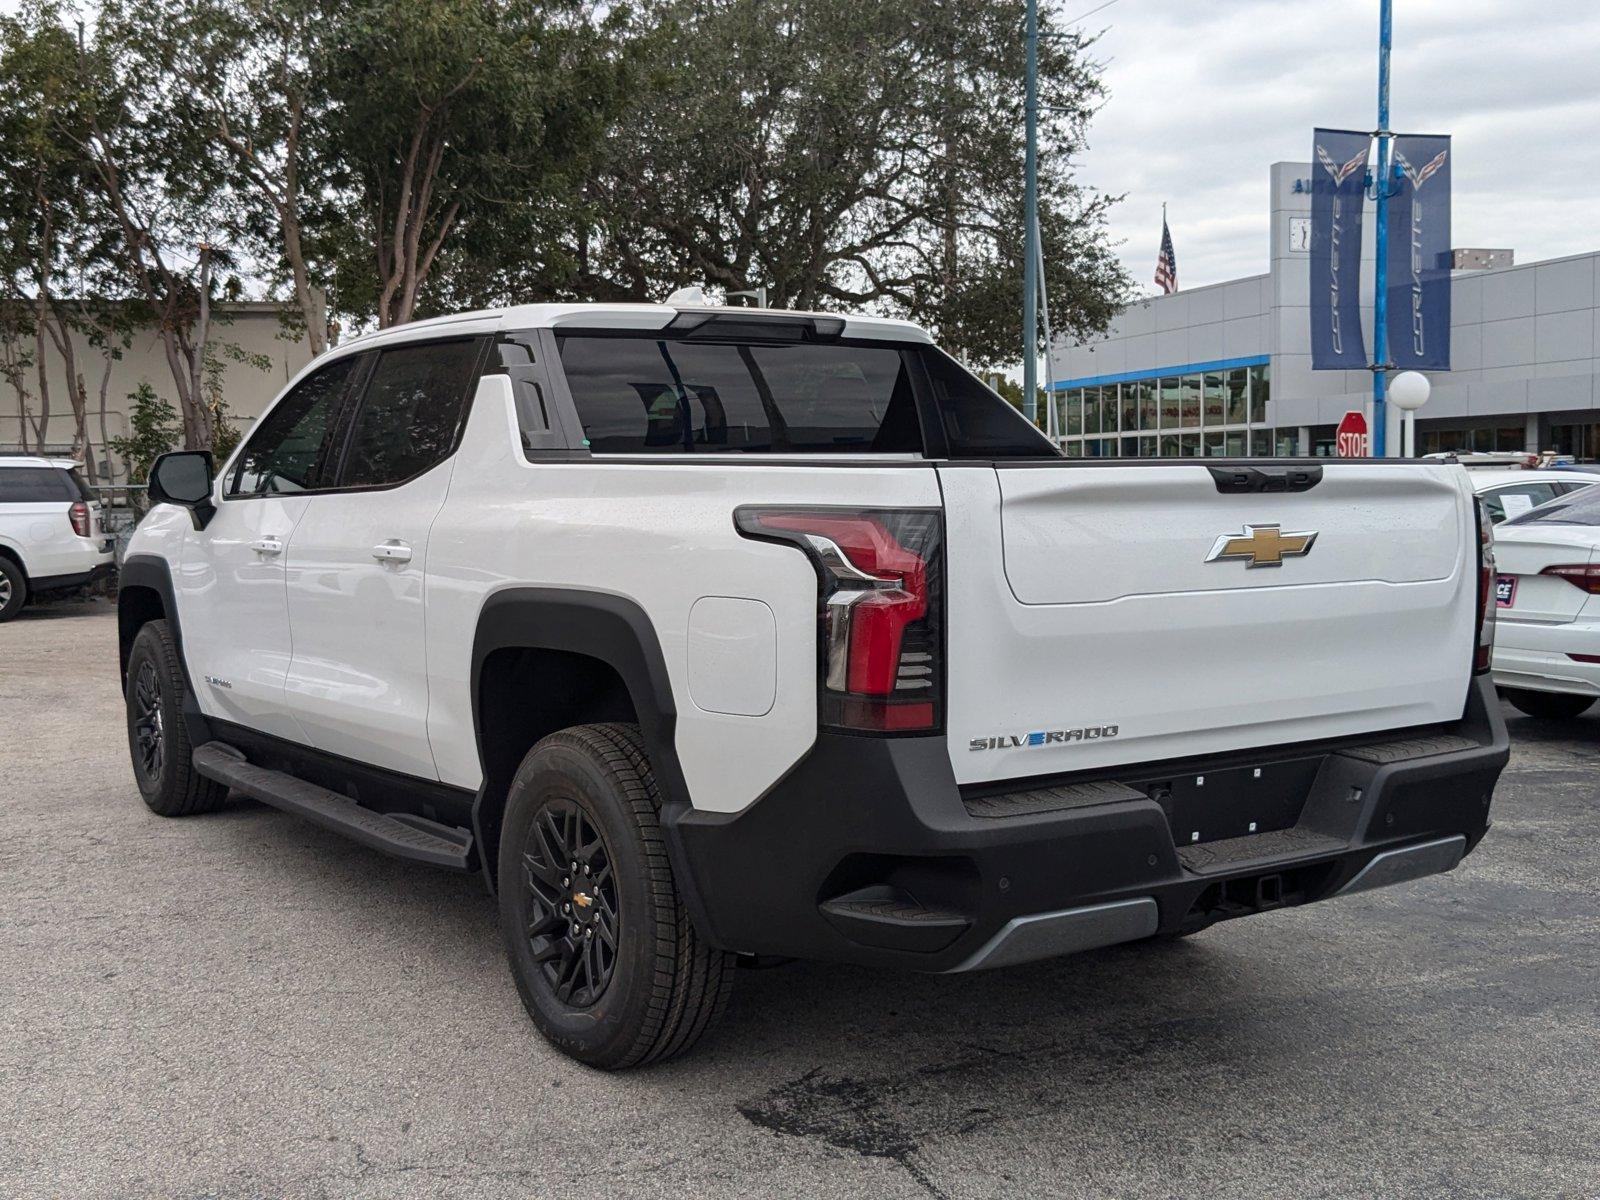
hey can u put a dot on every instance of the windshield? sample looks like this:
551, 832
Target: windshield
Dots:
1576, 508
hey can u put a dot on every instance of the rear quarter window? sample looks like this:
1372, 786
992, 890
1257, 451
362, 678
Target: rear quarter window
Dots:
1576, 508
25, 485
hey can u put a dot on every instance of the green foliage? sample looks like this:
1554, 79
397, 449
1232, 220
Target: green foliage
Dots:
154, 425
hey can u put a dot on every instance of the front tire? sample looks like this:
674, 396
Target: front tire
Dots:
1552, 706
13, 589
606, 960
158, 739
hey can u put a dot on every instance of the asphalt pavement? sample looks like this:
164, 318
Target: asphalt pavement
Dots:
241, 1004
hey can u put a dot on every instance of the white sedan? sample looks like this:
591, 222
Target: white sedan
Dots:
1510, 492
1547, 601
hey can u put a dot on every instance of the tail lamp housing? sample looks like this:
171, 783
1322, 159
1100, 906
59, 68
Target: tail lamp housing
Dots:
1585, 576
78, 514
880, 635
1483, 656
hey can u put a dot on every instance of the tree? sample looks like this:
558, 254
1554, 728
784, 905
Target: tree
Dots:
153, 429
849, 155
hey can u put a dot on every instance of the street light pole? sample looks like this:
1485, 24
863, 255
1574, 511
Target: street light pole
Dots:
1380, 277
1030, 223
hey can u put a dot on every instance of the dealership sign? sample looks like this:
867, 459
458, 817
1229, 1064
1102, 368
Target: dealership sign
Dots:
1353, 440
1338, 192
1419, 254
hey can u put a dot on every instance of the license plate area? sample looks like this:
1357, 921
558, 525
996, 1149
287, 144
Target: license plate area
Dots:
1505, 591
1213, 805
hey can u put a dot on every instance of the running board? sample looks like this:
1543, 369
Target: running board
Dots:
399, 834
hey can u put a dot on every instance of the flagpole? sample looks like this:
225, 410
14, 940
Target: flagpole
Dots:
1380, 277
1030, 223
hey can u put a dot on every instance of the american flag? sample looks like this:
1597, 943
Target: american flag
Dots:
1166, 261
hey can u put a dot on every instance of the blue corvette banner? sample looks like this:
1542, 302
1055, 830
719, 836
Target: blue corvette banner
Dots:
1419, 254
1338, 195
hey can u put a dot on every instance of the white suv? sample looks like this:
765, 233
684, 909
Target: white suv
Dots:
52, 534
707, 633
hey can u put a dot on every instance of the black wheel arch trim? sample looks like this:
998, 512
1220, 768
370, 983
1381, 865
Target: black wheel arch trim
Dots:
600, 625
152, 573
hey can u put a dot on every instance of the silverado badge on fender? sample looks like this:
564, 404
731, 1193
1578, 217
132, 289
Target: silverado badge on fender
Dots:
1261, 546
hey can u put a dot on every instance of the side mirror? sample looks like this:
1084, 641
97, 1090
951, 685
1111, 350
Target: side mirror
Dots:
184, 478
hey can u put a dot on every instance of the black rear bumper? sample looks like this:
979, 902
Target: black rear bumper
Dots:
869, 852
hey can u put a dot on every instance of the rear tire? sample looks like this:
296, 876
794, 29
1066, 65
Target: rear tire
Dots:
606, 960
158, 740
1552, 706
13, 589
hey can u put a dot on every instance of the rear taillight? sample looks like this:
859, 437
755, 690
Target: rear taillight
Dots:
1484, 653
1580, 575
880, 577
78, 514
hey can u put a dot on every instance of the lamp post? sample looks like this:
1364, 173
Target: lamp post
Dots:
1408, 391
1380, 278
1030, 223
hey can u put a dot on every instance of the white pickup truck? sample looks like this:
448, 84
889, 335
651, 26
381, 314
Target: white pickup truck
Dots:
708, 634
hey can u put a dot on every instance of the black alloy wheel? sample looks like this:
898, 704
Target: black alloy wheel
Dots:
574, 910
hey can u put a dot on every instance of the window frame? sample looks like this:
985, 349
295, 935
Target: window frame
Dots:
229, 477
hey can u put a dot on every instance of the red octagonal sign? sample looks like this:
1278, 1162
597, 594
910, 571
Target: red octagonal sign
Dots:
1352, 439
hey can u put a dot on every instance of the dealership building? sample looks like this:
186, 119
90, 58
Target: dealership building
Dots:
1226, 369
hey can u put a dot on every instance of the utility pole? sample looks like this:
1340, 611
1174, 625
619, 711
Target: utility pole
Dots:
1380, 278
1030, 223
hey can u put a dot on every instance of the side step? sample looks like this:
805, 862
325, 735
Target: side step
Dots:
399, 834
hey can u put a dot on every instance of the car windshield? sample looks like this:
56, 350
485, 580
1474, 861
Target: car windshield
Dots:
1575, 508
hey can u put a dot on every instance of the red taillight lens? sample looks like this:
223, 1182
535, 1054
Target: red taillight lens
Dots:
1483, 656
879, 613
78, 514
1580, 575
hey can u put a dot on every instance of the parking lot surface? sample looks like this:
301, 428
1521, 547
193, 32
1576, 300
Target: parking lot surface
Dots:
241, 1004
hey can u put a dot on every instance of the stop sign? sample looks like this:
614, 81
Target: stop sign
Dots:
1352, 439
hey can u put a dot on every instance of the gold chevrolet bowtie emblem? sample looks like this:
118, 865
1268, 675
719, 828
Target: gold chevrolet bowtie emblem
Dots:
582, 899
1261, 546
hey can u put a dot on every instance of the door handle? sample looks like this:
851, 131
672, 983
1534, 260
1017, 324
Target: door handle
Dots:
394, 550
267, 545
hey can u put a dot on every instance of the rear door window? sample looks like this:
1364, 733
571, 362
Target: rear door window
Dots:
1576, 508
37, 485
1517, 498
411, 412
661, 395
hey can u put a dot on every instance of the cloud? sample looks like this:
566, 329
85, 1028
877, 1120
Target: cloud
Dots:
1206, 94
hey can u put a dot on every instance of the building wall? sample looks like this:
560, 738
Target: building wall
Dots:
255, 328
1525, 340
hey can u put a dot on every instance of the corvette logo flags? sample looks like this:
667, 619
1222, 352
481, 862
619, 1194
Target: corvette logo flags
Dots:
1419, 254
1338, 189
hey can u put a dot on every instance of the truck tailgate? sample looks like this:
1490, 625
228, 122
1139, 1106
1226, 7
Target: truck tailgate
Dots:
1135, 612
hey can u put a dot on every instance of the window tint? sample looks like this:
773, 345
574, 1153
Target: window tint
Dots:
33, 485
1578, 508
410, 412
655, 395
1529, 494
977, 422
283, 453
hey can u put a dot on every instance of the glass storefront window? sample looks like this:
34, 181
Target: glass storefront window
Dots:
1238, 396
1260, 392
1130, 447
1190, 400
1169, 445
1130, 407
1091, 410
1171, 401
1149, 447
1236, 444
1213, 444
1072, 424
1288, 443
1214, 408
1188, 445
1147, 403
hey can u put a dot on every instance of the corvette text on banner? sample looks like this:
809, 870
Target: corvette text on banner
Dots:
1338, 174
1419, 254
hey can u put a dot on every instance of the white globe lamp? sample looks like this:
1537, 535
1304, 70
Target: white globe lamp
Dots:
1408, 391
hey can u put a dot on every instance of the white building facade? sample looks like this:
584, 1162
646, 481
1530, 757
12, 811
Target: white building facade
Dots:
1226, 369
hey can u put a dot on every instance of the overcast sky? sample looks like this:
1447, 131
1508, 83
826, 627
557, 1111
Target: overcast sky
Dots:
1206, 94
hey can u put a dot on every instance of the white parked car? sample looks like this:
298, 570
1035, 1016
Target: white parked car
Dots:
706, 633
1547, 595
52, 531
1510, 493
